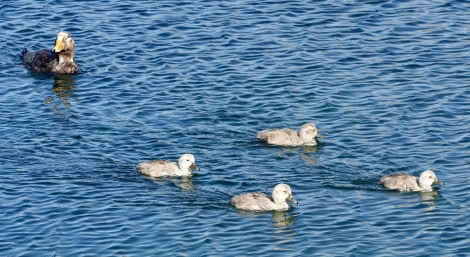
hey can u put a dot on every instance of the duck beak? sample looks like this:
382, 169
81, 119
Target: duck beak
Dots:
194, 167
58, 47
319, 135
292, 199
438, 182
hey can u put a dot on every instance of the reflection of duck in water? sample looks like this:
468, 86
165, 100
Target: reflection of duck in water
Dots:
63, 87
58, 61
183, 182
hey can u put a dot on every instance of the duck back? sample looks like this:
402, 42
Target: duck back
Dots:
400, 181
42, 61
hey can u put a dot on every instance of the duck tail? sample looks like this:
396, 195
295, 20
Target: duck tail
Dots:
23, 53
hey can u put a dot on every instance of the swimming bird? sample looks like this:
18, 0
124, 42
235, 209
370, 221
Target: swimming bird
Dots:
164, 168
404, 182
289, 137
58, 61
261, 202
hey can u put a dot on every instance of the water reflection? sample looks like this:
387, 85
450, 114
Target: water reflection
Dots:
280, 218
306, 153
185, 183
63, 87
428, 199
426, 196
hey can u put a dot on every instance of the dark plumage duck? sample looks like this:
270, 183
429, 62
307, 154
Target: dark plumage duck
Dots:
58, 61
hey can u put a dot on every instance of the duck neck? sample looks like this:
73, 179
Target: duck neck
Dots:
65, 56
305, 138
280, 203
185, 171
423, 185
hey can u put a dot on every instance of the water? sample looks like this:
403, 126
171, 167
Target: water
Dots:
386, 82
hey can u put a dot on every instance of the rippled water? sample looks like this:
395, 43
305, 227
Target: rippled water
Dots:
386, 82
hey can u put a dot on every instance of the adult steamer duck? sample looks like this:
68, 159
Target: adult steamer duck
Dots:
58, 61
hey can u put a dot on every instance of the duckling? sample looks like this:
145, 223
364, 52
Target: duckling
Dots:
404, 182
261, 202
289, 137
165, 168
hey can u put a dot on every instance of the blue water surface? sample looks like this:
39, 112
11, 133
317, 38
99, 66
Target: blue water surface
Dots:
387, 83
